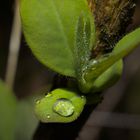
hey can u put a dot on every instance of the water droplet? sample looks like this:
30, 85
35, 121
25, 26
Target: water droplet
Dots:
48, 116
63, 104
64, 107
134, 5
94, 62
48, 95
83, 97
38, 102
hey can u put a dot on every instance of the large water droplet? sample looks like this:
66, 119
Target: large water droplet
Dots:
64, 107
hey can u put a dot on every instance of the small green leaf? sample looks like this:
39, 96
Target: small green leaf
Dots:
8, 108
108, 78
49, 27
122, 48
104, 81
83, 48
60, 106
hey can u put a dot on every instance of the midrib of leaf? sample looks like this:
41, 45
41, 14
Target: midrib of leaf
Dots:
60, 23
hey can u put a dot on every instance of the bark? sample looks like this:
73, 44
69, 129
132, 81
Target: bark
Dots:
112, 17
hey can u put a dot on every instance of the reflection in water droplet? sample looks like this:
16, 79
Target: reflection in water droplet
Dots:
64, 107
48, 116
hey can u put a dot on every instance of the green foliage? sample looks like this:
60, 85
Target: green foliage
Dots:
17, 119
8, 108
60, 105
108, 78
62, 36
49, 27
98, 66
26, 122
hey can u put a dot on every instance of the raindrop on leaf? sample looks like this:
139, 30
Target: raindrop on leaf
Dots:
63, 107
38, 101
48, 116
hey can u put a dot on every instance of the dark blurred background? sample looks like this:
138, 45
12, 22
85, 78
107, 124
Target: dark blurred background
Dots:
31, 76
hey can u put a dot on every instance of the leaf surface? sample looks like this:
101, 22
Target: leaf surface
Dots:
8, 108
45, 111
49, 27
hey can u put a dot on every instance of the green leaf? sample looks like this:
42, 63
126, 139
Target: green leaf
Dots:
49, 27
126, 45
108, 78
104, 81
60, 106
82, 49
8, 108
17, 119
26, 122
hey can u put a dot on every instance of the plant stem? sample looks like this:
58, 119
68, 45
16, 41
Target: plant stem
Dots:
63, 131
14, 47
109, 30
112, 17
